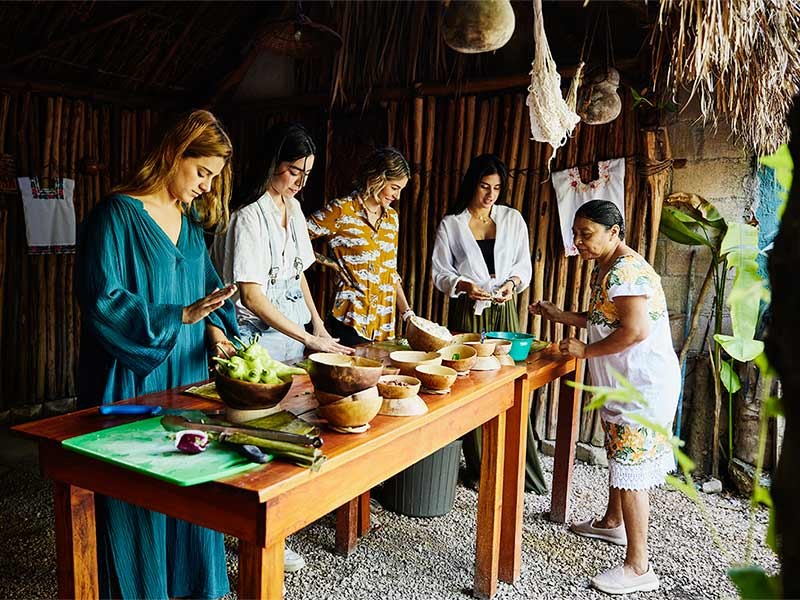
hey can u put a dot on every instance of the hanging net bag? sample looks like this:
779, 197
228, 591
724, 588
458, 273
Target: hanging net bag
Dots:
552, 120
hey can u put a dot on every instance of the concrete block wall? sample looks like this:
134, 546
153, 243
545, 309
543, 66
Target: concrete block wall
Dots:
723, 174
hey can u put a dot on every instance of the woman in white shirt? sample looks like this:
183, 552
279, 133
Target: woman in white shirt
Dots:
266, 250
481, 259
481, 256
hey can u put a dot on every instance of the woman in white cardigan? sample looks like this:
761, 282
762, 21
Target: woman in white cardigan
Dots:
481, 259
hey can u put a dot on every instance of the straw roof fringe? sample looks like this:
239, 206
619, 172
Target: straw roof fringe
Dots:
739, 57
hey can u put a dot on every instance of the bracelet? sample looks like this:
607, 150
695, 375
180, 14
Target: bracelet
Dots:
407, 315
513, 283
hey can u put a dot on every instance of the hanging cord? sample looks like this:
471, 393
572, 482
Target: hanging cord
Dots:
577, 79
591, 40
610, 62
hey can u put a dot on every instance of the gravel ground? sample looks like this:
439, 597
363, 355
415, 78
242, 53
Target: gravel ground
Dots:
431, 559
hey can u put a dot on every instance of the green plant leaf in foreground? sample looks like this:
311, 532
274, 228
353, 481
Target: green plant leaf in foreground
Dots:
773, 407
781, 162
685, 488
729, 377
741, 349
754, 584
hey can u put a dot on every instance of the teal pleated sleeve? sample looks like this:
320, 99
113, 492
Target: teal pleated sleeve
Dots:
132, 283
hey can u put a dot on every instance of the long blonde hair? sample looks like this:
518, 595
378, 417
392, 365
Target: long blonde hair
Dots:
198, 134
385, 163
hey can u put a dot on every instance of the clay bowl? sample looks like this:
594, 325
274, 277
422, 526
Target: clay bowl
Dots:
436, 377
502, 347
243, 395
463, 338
483, 348
352, 411
326, 398
467, 355
407, 360
419, 339
398, 386
391, 370
342, 374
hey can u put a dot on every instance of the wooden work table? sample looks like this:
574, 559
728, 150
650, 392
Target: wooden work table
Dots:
263, 506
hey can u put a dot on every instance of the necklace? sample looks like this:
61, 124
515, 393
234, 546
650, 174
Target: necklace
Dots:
372, 211
481, 218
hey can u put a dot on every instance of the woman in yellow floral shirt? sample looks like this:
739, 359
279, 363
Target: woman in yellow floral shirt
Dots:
629, 333
362, 232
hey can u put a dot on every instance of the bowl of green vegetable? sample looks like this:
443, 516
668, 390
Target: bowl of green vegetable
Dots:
251, 379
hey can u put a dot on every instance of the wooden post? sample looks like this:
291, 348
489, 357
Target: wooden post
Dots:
76, 542
347, 527
514, 482
566, 437
490, 500
656, 177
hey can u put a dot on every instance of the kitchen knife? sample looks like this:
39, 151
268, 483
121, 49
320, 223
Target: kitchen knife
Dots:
154, 411
178, 422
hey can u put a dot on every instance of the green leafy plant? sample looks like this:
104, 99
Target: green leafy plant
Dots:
691, 220
640, 99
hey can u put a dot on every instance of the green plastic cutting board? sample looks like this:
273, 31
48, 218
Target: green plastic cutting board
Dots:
146, 447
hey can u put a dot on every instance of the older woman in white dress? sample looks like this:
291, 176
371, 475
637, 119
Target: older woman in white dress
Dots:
629, 333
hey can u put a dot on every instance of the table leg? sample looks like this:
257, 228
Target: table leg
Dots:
347, 527
490, 499
363, 514
514, 482
76, 542
569, 405
261, 571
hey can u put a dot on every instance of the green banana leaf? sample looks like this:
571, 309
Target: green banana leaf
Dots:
697, 207
742, 349
684, 229
729, 377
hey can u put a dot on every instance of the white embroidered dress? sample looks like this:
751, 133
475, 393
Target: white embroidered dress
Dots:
638, 458
572, 193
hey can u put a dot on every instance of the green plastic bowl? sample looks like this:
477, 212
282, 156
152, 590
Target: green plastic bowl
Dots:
520, 342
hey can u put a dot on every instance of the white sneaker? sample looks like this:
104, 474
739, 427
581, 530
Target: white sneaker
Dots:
292, 561
615, 535
617, 581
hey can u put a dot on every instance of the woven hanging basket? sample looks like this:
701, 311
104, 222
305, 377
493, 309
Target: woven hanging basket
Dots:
299, 38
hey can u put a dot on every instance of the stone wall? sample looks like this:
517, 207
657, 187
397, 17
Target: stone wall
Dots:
724, 174
721, 173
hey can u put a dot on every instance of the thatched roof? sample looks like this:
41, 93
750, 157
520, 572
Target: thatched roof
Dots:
132, 47
194, 49
740, 57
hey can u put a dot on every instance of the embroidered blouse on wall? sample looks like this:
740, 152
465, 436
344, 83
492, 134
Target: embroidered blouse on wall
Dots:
571, 193
49, 215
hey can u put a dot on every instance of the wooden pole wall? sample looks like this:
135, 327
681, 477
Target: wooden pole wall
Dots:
52, 137
453, 131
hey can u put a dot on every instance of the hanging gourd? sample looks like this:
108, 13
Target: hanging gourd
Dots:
552, 120
599, 101
472, 26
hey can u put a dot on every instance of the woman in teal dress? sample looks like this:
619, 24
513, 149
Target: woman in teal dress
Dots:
153, 309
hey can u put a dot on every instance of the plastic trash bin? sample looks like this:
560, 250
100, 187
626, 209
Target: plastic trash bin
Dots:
427, 488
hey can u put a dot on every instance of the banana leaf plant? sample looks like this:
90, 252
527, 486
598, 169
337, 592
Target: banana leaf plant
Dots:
691, 220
